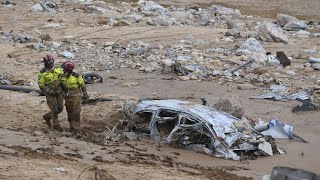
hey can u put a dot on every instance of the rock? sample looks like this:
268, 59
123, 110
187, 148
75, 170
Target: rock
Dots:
316, 35
38, 46
22, 37
45, 37
252, 47
303, 33
283, 59
37, 133
233, 32
265, 148
270, 32
184, 78
220, 10
121, 23
232, 25
134, 18
55, 45
315, 66
37, 7
296, 24
68, 55
228, 39
180, 15
283, 19
149, 69
153, 6
167, 66
51, 26
97, 8
131, 136
159, 21
231, 104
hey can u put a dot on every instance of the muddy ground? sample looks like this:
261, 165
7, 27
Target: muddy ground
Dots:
29, 150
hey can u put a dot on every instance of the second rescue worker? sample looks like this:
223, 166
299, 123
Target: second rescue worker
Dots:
74, 87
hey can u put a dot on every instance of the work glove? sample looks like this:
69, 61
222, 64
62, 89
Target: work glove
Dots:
49, 91
85, 97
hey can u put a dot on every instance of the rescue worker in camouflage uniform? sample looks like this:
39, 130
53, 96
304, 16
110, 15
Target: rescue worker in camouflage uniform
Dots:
48, 81
73, 87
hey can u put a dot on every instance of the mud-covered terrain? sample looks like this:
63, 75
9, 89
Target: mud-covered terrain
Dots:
29, 150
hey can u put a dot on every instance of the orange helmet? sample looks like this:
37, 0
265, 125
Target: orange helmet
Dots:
68, 66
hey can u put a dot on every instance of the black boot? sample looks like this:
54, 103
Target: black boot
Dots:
47, 118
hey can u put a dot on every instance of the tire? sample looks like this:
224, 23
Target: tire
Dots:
90, 78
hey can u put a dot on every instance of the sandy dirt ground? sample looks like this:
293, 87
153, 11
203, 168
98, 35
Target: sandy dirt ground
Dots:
29, 150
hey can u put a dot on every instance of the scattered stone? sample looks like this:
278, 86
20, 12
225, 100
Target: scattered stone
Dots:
231, 104
37, 8
296, 24
265, 148
283, 19
270, 32
233, 32
252, 47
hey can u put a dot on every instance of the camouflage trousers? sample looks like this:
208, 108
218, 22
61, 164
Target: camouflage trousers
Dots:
55, 103
73, 107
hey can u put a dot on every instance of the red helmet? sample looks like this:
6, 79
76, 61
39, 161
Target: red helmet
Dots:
48, 59
68, 66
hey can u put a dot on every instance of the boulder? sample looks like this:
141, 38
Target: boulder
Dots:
220, 10
252, 47
296, 24
231, 104
283, 19
270, 32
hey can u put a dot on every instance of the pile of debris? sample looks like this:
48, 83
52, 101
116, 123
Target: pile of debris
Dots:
202, 128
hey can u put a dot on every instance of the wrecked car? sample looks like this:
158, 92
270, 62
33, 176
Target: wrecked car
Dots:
197, 127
